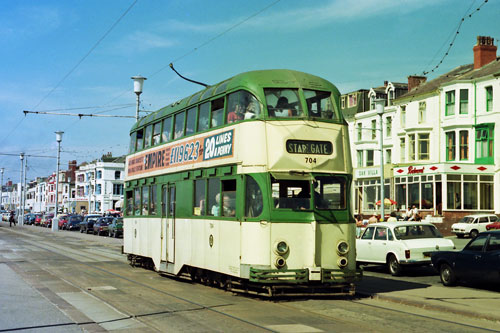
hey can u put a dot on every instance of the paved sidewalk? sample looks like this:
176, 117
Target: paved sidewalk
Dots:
463, 301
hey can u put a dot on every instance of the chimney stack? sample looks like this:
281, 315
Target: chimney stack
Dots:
414, 81
484, 51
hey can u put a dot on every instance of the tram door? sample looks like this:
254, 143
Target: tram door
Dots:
169, 197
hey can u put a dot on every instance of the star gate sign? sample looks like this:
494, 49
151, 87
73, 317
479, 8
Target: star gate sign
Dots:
178, 154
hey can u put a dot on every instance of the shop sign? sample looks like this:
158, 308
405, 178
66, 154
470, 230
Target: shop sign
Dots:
367, 173
412, 170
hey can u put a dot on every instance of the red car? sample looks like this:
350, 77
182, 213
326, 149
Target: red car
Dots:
38, 219
63, 221
493, 226
47, 220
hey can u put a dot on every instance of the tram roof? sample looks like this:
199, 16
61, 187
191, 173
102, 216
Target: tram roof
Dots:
252, 81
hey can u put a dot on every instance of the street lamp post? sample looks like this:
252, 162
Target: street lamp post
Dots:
138, 83
55, 220
379, 106
20, 213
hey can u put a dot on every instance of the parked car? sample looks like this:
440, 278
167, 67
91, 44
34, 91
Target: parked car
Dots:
115, 228
493, 226
74, 222
101, 225
29, 218
398, 244
471, 225
63, 220
477, 262
38, 219
47, 220
87, 225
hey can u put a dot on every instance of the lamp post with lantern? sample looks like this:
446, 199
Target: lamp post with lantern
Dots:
138, 83
379, 106
55, 220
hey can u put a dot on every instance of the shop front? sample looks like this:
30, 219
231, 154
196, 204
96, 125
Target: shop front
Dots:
448, 190
367, 190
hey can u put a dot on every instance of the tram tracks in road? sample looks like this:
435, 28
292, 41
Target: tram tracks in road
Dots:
196, 306
93, 264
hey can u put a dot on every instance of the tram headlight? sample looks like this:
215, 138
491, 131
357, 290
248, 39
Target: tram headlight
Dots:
342, 248
342, 262
280, 262
281, 247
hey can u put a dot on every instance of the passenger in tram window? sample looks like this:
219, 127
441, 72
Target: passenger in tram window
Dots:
250, 111
228, 204
236, 114
282, 108
216, 207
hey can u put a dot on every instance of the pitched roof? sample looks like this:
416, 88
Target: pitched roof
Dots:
464, 72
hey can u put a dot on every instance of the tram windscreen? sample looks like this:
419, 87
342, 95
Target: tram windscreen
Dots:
329, 193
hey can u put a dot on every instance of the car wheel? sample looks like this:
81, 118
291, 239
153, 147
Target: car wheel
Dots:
473, 234
460, 236
81, 230
115, 234
448, 277
393, 265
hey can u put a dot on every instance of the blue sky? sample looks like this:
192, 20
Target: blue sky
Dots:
352, 43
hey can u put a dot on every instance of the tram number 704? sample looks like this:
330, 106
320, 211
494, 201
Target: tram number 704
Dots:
310, 159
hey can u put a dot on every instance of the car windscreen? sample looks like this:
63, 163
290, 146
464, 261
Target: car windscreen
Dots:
466, 219
416, 232
76, 219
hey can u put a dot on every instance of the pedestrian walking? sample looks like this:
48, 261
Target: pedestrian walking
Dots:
11, 219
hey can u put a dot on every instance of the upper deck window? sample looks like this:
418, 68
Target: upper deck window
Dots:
191, 121
283, 103
167, 130
217, 112
319, 104
139, 137
156, 133
203, 116
179, 125
242, 105
147, 136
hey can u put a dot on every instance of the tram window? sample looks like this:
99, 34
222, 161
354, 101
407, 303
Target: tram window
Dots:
139, 137
179, 125
191, 121
283, 103
130, 203
156, 133
213, 197
167, 130
131, 147
217, 112
253, 198
152, 210
147, 136
145, 200
229, 197
242, 105
137, 201
319, 104
199, 197
294, 194
203, 117
330, 192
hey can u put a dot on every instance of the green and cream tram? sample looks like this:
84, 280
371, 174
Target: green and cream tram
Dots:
246, 185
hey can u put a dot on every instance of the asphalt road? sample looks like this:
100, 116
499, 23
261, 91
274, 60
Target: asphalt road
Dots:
67, 281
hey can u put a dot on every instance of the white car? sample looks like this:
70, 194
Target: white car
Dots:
398, 244
471, 225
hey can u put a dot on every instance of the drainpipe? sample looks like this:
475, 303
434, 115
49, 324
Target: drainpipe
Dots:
475, 105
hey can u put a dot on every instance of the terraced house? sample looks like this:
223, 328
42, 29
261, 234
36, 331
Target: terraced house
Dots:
439, 142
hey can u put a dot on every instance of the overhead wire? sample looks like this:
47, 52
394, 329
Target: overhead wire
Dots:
455, 35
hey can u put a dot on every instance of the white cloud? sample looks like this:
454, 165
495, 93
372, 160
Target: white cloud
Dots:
310, 16
142, 41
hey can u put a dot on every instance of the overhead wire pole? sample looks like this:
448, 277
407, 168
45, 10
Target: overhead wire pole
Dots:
19, 214
25, 189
